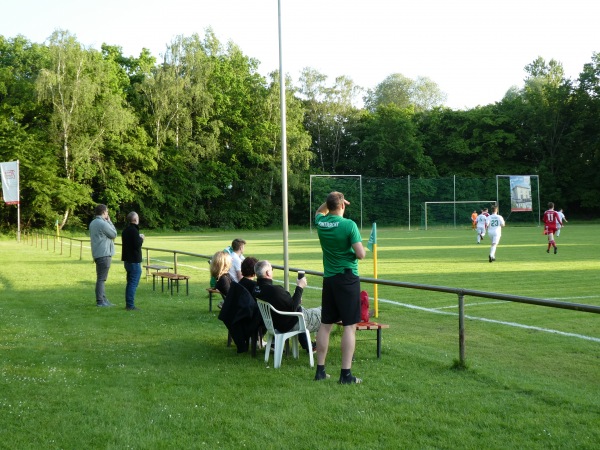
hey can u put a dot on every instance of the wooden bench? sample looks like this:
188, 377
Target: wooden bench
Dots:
211, 292
362, 326
172, 278
156, 267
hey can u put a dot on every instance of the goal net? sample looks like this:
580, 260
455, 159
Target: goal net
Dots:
452, 213
349, 185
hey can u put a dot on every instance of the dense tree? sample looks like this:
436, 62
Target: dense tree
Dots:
86, 100
387, 143
547, 124
582, 162
195, 139
23, 133
329, 109
478, 142
421, 94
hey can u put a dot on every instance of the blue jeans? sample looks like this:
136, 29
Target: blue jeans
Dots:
134, 272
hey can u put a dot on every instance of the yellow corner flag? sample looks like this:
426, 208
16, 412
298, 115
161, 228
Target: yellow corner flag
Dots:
372, 245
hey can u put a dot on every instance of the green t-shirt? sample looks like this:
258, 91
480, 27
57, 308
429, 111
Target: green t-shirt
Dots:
337, 235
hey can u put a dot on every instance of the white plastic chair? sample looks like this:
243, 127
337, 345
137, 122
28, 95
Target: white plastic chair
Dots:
280, 338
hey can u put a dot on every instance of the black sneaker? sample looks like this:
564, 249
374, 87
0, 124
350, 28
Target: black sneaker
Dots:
548, 251
322, 376
132, 308
555, 250
351, 379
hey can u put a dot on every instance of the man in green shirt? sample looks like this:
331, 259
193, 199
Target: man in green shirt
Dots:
342, 248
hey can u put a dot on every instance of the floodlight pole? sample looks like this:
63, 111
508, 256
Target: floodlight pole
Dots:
284, 190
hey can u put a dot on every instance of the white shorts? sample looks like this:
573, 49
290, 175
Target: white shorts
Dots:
481, 231
495, 237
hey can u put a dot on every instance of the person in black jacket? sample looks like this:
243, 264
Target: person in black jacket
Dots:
241, 316
219, 270
248, 274
132, 258
282, 300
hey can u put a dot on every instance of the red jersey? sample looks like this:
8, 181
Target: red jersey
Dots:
551, 218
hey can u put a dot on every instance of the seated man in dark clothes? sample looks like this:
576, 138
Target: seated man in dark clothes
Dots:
248, 274
282, 300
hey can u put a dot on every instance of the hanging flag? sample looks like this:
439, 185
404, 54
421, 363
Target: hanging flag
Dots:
372, 237
10, 182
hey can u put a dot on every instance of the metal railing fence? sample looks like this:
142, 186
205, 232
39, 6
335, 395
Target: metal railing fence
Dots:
36, 238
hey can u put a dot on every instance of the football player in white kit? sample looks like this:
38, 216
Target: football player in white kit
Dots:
560, 224
495, 222
481, 224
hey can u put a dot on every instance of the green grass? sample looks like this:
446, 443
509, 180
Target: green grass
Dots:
76, 376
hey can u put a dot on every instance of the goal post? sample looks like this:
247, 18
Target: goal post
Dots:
477, 205
349, 185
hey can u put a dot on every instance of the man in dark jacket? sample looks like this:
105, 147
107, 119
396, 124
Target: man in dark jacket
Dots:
282, 300
132, 257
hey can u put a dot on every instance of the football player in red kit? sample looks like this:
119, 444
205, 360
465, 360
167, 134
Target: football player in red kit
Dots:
551, 219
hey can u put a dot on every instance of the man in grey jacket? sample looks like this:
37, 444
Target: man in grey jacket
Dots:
102, 236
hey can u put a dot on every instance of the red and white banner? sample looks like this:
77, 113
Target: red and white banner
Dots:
10, 182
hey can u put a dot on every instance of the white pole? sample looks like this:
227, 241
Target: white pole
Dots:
454, 184
539, 204
497, 199
310, 213
409, 203
361, 204
284, 191
19, 202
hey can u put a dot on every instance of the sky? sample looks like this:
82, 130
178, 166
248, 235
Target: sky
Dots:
474, 50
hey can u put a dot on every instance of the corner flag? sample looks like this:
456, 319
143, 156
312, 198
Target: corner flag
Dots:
372, 237
372, 245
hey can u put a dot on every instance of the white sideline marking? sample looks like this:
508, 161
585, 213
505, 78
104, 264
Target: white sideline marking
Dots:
482, 319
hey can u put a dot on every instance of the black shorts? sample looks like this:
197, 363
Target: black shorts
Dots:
341, 299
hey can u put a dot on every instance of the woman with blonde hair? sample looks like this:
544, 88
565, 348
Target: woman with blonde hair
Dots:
219, 269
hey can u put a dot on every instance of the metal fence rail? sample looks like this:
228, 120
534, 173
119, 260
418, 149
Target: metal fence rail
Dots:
35, 238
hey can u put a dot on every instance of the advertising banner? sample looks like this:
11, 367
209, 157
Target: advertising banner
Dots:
10, 182
520, 193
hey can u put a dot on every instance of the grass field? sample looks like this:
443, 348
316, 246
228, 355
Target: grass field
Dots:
76, 376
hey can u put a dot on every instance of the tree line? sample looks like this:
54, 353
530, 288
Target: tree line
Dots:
193, 139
